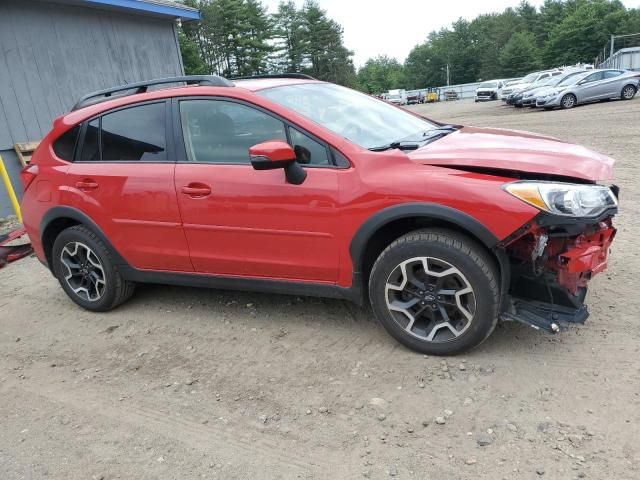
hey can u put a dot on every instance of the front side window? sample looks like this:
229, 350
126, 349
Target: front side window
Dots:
217, 131
593, 77
308, 151
364, 120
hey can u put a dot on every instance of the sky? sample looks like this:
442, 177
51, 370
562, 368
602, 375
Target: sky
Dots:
393, 28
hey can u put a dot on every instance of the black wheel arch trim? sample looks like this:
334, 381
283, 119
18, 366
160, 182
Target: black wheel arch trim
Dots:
416, 210
433, 211
64, 211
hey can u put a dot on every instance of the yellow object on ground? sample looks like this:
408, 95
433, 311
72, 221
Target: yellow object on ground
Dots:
10, 192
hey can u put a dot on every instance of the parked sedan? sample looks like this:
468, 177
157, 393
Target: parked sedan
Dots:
530, 95
593, 86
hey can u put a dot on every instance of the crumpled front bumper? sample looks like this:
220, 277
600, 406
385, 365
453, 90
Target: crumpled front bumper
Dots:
552, 260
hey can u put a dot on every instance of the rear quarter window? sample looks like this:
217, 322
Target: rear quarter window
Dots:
65, 145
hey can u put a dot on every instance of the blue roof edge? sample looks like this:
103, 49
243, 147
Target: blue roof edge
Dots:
174, 11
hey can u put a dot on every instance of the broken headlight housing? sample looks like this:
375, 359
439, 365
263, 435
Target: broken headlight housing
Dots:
567, 199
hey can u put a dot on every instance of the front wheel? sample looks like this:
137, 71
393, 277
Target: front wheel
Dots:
628, 92
436, 292
568, 101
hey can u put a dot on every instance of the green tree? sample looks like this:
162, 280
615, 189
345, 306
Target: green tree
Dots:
520, 55
326, 56
381, 74
580, 36
291, 37
193, 63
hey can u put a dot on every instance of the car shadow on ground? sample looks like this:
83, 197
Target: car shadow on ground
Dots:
303, 313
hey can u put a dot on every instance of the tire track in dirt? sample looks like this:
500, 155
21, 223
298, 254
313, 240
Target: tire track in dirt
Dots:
224, 441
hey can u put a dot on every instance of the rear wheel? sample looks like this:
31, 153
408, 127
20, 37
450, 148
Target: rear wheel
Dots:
435, 291
85, 269
568, 101
628, 92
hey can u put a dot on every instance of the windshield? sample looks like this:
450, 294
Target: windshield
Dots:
572, 79
488, 85
364, 120
529, 78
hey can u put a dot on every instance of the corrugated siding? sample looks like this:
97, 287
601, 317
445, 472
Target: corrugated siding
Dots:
50, 55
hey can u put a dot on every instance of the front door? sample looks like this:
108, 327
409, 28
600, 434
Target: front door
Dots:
592, 87
122, 179
240, 221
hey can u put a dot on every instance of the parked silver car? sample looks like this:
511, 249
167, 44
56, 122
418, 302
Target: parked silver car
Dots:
529, 95
590, 87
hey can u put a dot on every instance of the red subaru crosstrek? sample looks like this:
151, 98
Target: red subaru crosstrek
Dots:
291, 185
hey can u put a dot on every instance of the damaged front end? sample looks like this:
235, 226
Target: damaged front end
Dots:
551, 260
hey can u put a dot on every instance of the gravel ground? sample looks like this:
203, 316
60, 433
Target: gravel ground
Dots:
184, 383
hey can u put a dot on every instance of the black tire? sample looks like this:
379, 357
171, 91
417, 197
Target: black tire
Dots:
116, 289
568, 101
477, 269
628, 92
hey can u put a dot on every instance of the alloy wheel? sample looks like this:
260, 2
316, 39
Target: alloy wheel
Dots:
430, 299
84, 272
628, 92
568, 101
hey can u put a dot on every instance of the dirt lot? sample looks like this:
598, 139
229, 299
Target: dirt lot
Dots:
184, 383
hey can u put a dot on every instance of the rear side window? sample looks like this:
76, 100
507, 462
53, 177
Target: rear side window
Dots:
65, 145
612, 73
133, 134
90, 148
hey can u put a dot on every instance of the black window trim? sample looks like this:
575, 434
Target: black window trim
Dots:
181, 151
75, 144
168, 129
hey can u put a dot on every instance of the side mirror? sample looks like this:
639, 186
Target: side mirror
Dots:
277, 154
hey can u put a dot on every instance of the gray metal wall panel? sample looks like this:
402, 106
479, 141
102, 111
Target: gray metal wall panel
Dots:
51, 54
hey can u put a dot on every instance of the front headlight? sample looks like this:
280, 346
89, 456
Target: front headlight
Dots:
567, 199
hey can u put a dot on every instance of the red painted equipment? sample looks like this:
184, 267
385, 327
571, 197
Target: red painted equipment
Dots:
10, 253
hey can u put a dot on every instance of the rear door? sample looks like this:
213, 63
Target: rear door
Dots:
612, 87
244, 222
122, 178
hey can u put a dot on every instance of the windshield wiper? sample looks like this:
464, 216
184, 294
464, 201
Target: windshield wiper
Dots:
404, 145
427, 137
448, 128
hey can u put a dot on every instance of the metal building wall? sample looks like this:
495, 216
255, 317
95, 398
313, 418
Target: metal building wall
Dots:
51, 54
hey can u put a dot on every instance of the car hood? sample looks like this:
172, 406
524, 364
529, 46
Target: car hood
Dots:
513, 150
486, 89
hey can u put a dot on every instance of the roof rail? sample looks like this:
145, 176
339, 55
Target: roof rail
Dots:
142, 87
301, 76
